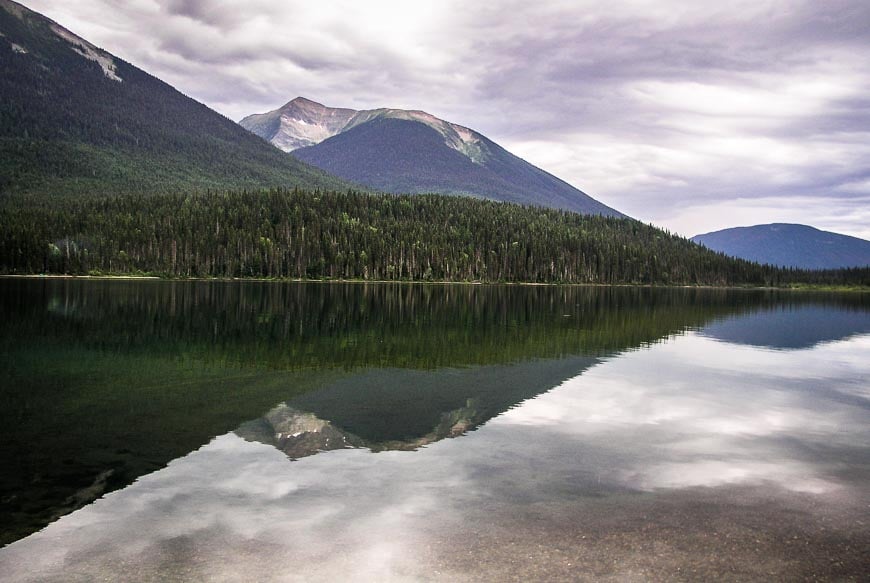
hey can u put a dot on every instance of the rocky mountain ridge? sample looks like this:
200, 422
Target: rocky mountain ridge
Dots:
301, 123
411, 151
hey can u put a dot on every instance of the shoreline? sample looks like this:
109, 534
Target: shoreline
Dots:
799, 288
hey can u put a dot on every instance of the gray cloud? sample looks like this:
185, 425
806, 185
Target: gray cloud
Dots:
692, 116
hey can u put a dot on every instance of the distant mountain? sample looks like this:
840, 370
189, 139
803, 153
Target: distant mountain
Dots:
76, 119
400, 151
789, 245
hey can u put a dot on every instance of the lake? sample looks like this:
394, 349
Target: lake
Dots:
161, 431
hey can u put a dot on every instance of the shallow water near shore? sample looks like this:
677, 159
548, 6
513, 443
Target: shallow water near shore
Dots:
158, 430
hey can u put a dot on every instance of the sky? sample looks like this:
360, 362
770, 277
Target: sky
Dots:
693, 116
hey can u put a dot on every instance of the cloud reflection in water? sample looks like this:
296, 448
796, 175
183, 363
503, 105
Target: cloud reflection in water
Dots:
697, 412
691, 412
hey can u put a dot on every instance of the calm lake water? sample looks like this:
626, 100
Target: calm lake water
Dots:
161, 431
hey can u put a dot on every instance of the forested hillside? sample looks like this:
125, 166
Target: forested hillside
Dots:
313, 234
77, 120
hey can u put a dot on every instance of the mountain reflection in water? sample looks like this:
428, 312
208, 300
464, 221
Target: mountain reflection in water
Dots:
105, 381
601, 433
394, 409
690, 459
791, 326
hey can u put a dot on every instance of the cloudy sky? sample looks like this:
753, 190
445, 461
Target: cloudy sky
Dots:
691, 115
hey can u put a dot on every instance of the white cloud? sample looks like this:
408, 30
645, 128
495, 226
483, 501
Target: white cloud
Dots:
661, 109
668, 419
850, 216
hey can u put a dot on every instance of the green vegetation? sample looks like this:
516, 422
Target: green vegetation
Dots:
327, 235
106, 176
124, 376
68, 129
832, 287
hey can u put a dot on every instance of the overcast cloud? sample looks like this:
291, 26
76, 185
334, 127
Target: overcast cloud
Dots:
692, 115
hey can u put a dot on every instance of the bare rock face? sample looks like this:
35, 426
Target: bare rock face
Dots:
413, 152
301, 123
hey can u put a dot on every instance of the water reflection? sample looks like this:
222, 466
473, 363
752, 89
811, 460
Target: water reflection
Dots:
573, 395
105, 381
394, 409
693, 413
690, 459
791, 326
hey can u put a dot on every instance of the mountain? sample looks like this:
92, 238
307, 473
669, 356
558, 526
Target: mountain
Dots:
402, 151
76, 119
789, 245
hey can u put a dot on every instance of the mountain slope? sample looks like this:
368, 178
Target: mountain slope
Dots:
402, 151
789, 245
76, 119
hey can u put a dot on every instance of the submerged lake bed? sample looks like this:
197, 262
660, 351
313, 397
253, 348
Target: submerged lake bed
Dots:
156, 430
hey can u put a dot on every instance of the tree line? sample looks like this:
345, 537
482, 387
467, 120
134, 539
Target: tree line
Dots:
310, 234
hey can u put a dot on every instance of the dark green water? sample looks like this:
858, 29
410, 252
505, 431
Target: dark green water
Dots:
589, 403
